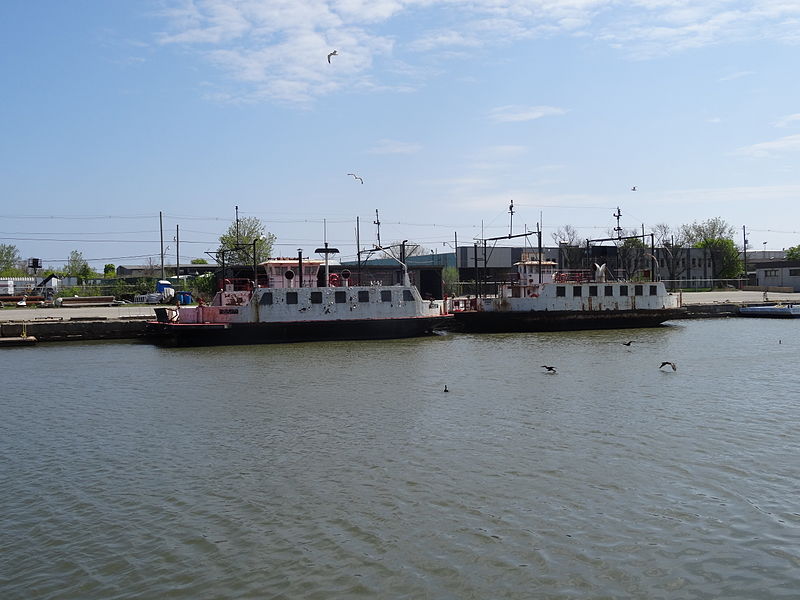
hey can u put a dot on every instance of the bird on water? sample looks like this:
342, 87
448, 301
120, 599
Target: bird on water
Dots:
549, 369
445, 388
334, 53
666, 363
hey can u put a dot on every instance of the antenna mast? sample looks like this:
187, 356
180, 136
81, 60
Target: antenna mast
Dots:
377, 222
618, 229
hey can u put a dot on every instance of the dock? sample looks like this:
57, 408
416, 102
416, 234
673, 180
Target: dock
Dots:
128, 321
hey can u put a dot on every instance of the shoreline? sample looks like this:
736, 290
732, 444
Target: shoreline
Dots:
128, 322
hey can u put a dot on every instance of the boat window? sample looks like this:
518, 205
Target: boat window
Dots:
266, 298
386, 295
291, 297
577, 290
408, 296
794, 272
623, 290
316, 297
363, 295
638, 290
561, 291
340, 297
593, 290
770, 272
609, 291
654, 290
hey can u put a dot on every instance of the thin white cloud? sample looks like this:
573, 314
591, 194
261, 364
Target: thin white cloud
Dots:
277, 49
516, 114
736, 75
790, 143
395, 147
784, 121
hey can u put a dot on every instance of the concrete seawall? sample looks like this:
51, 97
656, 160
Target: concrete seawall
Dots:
62, 331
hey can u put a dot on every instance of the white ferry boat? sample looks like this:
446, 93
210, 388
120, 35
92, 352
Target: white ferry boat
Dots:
542, 298
293, 309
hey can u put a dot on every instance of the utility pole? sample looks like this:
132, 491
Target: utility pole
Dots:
511, 218
377, 222
744, 249
178, 254
237, 226
618, 229
161, 228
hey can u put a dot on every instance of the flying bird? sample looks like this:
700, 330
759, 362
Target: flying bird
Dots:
627, 343
334, 53
633, 189
667, 363
357, 177
549, 369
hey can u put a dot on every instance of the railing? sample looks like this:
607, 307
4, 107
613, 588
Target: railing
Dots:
705, 284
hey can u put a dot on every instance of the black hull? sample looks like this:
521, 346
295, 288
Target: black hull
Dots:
510, 322
176, 334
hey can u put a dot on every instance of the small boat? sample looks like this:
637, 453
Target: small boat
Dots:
285, 310
542, 298
775, 311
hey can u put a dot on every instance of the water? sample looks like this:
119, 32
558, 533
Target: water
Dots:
341, 470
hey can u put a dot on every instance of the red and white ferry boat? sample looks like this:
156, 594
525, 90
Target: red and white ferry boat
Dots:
294, 308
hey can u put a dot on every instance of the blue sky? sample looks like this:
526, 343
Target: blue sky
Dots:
114, 111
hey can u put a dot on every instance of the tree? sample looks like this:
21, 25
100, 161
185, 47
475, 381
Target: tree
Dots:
109, 270
724, 258
9, 257
793, 253
77, 266
199, 261
674, 245
630, 252
716, 236
411, 249
237, 242
570, 246
450, 281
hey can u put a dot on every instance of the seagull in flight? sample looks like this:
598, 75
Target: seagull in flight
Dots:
357, 177
334, 53
627, 343
667, 363
549, 369
633, 189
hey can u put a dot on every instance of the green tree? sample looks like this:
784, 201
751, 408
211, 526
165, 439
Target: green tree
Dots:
199, 261
109, 270
450, 281
237, 242
717, 236
725, 260
9, 257
793, 253
77, 266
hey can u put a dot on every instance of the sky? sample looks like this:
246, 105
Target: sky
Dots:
114, 112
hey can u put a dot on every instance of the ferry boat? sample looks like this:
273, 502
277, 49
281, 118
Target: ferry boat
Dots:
295, 309
542, 298
776, 311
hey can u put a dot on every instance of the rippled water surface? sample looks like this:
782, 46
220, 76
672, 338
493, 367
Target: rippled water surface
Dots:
342, 470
